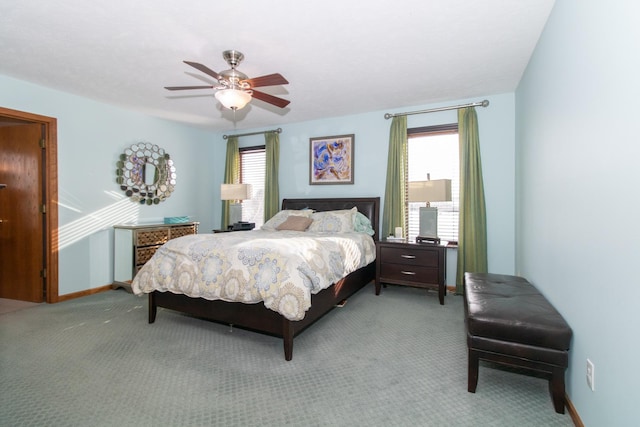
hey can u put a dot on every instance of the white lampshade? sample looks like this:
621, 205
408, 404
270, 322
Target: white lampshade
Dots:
437, 190
235, 191
233, 99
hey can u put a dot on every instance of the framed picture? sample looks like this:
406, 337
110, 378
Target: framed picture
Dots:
331, 159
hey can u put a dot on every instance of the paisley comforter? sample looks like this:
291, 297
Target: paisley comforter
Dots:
282, 269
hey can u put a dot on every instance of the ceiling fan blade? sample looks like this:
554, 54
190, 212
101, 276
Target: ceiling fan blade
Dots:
268, 80
278, 102
204, 69
187, 87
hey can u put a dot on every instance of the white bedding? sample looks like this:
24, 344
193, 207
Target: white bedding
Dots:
282, 269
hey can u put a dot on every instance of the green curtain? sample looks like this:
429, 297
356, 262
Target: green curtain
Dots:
271, 183
472, 234
395, 197
231, 174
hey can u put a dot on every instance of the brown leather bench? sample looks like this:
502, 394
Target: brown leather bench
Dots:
510, 322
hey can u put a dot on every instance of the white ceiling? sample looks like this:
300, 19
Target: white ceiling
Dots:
340, 56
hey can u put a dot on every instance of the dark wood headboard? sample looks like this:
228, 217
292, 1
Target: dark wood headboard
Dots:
368, 206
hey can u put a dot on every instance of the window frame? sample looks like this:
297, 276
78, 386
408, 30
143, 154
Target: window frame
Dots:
244, 151
430, 131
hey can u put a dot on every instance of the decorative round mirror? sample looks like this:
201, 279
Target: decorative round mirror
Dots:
146, 173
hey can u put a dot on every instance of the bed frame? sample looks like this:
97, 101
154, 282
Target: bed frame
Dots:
257, 317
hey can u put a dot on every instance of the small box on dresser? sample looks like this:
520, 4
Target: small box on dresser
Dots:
411, 264
134, 245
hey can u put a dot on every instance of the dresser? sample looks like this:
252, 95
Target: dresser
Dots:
411, 264
134, 245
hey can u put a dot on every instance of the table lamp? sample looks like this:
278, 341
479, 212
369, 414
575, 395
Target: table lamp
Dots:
437, 190
236, 193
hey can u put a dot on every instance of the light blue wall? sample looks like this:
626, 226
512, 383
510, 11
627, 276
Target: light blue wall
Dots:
577, 207
572, 117
371, 130
91, 135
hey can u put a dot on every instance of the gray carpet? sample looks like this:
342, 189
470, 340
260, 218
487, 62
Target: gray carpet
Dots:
397, 359
9, 305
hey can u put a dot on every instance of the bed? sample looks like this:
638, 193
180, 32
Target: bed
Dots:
256, 316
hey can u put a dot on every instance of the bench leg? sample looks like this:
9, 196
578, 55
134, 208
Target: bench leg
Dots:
556, 387
474, 363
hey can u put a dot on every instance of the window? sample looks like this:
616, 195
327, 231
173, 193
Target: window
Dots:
252, 171
433, 153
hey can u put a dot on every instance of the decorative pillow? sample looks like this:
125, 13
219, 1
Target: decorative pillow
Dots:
362, 224
295, 223
281, 217
333, 221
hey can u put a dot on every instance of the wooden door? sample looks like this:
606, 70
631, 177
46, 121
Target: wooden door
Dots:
22, 244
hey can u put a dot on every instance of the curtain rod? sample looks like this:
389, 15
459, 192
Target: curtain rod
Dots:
484, 103
279, 130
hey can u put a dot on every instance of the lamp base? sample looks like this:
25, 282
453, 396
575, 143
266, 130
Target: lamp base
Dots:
235, 213
428, 222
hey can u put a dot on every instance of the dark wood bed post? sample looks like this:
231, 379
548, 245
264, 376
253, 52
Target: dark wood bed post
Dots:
153, 308
287, 338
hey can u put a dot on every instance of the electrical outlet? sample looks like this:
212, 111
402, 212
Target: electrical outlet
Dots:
591, 375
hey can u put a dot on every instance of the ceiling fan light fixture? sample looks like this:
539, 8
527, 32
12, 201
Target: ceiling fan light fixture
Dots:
233, 99
235, 90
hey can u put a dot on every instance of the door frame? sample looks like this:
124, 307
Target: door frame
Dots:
50, 172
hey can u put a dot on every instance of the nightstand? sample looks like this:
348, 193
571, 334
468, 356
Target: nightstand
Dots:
419, 265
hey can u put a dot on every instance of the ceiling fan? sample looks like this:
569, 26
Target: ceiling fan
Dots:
235, 89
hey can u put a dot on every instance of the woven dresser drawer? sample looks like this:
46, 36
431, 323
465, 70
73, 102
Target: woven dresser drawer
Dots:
183, 231
144, 253
156, 236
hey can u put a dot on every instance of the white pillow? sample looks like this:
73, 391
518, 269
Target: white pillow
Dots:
333, 221
282, 216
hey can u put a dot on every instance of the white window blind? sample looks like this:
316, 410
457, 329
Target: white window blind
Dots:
433, 153
252, 171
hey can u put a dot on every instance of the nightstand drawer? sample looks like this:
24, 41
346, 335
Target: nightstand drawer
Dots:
408, 273
410, 256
